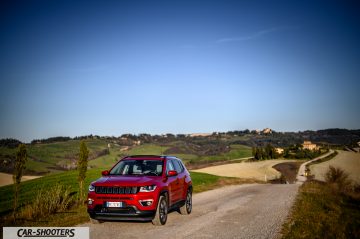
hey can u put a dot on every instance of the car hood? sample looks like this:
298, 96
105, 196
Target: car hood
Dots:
125, 181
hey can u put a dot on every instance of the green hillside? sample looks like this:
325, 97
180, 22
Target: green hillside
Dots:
57, 157
236, 151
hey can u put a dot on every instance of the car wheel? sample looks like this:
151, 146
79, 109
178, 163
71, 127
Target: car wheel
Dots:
161, 212
187, 207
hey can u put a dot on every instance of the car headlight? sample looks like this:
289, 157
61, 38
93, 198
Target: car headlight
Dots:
91, 188
150, 188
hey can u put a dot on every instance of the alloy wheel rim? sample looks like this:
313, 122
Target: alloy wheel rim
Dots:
188, 202
162, 211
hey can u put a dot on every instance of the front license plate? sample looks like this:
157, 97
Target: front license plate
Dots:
114, 204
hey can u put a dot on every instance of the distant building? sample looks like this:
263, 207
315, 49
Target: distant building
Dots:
200, 134
267, 131
279, 150
310, 146
137, 142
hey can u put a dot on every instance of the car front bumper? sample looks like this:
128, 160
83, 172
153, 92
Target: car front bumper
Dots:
130, 213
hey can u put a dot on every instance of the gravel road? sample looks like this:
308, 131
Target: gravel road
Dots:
239, 211
300, 178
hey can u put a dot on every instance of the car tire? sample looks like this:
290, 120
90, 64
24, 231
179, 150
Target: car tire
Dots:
161, 212
187, 207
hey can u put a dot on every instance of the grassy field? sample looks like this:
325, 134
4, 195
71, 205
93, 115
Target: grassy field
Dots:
347, 161
236, 151
29, 189
247, 170
46, 158
107, 161
149, 149
322, 212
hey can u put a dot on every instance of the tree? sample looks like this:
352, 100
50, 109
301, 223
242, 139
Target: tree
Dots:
286, 153
20, 160
268, 151
262, 154
82, 167
259, 153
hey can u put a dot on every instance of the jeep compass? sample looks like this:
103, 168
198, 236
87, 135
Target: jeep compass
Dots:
141, 188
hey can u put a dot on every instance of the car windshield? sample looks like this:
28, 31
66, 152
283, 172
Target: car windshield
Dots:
138, 167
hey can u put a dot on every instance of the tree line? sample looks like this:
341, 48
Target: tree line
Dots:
263, 153
293, 152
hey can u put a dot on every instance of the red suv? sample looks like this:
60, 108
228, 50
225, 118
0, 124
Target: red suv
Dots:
141, 188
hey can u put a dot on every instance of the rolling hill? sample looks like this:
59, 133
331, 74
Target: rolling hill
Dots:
48, 158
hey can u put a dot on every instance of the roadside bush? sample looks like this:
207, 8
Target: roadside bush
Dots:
337, 178
57, 199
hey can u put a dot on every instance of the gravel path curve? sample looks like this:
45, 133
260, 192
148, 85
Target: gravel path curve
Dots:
300, 178
238, 211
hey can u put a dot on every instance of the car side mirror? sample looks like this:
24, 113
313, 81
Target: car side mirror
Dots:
172, 173
105, 173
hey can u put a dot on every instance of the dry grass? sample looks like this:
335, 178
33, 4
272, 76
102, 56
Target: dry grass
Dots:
349, 162
325, 210
45, 203
247, 170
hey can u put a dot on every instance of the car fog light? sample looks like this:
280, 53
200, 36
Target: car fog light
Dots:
90, 201
146, 203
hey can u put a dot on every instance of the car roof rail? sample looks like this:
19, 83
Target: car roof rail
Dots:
146, 156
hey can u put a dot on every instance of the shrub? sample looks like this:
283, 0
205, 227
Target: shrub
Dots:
82, 168
338, 179
57, 199
19, 166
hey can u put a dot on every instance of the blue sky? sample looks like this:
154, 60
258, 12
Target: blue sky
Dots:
114, 67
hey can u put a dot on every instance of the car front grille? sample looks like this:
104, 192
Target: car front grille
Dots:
115, 190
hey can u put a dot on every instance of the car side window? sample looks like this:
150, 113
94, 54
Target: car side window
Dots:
176, 163
181, 165
169, 166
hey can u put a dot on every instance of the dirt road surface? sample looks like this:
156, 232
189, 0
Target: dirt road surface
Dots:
6, 179
238, 211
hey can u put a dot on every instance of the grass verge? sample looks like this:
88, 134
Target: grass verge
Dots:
323, 211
